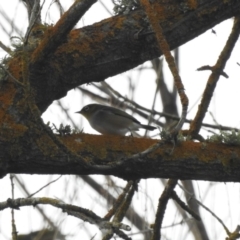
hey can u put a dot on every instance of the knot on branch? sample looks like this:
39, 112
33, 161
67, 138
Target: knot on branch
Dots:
13, 204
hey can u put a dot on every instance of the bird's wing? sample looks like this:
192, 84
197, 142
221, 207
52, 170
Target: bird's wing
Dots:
121, 113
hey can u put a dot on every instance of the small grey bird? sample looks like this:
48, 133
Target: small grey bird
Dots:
110, 120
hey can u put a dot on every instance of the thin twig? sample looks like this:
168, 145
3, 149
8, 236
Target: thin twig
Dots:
60, 7
218, 219
231, 235
35, 13
66, 112
79, 212
24, 189
207, 67
40, 189
130, 214
184, 206
214, 77
115, 102
14, 229
6, 49
123, 205
106, 8
162, 204
126, 203
145, 152
118, 202
164, 47
11, 76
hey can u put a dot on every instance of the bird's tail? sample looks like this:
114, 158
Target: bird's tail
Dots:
150, 128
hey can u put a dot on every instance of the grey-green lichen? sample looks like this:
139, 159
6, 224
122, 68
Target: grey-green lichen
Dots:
63, 129
125, 6
227, 137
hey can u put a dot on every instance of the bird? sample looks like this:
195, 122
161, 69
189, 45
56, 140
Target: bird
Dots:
111, 121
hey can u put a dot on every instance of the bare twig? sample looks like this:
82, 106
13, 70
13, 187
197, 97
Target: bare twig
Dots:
115, 102
164, 47
24, 189
120, 208
214, 77
9, 21
6, 49
14, 229
144, 153
126, 203
65, 110
207, 67
162, 204
175, 197
82, 213
11, 76
34, 18
106, 8
232, 235
114, 97
40, 189
60, 7
218, 219
131, 214
118, 202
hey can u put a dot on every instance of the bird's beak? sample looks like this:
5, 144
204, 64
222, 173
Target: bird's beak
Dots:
79, 111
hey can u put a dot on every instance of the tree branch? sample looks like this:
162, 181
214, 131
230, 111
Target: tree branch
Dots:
114, 45
189, 160
59, 32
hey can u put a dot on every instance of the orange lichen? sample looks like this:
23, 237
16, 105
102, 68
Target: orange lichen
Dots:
119, 23
164, 47
12, 132
192, 4
163, 12
109, 147
7, 93
48, 35
46, 145
15, 67
9, 129
100, 145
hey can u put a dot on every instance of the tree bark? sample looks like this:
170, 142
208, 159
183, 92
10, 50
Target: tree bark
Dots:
91, 54
113, 155
114, 45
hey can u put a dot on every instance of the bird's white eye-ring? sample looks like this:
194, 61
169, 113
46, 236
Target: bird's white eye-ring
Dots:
86, 108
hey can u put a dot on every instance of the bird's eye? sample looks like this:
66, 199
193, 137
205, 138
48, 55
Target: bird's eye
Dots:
86, 108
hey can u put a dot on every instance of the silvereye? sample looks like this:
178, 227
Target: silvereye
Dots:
109, 120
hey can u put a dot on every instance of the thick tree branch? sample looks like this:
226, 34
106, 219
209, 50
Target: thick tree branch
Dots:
189, 160
59, 32
95, 52
117, 44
